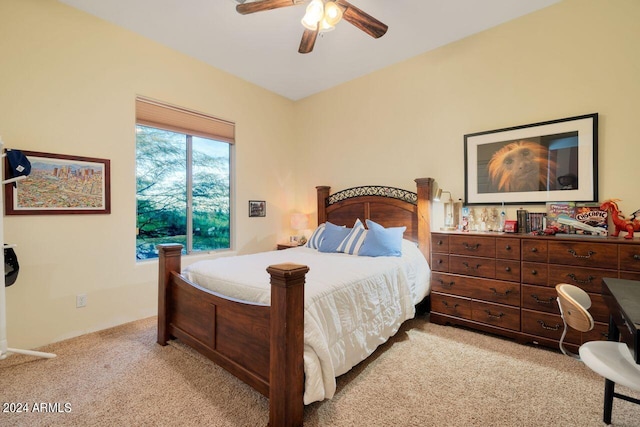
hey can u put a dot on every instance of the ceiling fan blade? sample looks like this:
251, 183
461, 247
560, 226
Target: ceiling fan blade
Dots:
259, 6
362, 20
308, 41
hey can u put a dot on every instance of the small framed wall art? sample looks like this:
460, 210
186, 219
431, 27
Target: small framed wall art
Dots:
257, 208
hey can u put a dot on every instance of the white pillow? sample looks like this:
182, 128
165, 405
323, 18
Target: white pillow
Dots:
352, 243
316, 237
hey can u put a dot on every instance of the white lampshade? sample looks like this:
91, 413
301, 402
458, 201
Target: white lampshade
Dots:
332, 13
325, 26
437, 194
313, 15
299, 221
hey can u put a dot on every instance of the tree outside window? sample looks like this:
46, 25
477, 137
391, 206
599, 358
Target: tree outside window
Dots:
182, 191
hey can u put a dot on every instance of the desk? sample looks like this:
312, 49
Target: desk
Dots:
623, 300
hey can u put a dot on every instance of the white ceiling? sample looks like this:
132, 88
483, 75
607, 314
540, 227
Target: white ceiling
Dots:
262, 48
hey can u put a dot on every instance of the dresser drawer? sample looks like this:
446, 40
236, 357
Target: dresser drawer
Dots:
508, 248
599, 310
496, 291
629, 257
508, 270
534, 250
472, 266
547, 325
472, 245
450, 284
440, 262
584, 254
540, 298
600, 332
629, 275
450, 305
496, 315
440, 243
535, 273
589, 279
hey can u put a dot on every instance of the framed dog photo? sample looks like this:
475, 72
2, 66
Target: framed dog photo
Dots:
537, 163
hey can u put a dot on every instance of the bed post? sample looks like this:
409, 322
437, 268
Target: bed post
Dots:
425, 193
323, 193
286, 368
169, 261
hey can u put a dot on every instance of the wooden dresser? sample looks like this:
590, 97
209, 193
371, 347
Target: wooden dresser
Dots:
505, 283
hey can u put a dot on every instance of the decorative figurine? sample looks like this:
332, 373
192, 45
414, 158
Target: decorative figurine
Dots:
619, 221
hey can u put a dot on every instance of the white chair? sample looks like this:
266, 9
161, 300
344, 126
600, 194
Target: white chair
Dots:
610, 359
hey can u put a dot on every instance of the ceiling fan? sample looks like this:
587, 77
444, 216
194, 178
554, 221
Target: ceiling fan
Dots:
320, 16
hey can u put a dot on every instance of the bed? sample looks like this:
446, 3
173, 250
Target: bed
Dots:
260, 335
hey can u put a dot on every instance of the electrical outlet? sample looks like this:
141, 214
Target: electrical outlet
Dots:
81, 300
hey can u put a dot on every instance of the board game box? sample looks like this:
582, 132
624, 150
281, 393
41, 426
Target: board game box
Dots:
588, 214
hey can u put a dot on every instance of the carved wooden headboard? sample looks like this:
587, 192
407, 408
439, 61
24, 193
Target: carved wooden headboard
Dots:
388, 206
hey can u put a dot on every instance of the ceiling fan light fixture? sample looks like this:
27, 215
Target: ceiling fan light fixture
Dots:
325, 26
332, 13
313, 15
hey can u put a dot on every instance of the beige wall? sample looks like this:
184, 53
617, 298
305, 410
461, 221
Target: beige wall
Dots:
408, 120
68, 82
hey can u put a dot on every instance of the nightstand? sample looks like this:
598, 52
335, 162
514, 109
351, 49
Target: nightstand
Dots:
282, 246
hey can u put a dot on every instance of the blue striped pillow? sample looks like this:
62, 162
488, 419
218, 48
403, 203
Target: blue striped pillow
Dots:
316, 237
351, 244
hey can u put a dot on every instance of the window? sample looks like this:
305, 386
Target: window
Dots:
182, 181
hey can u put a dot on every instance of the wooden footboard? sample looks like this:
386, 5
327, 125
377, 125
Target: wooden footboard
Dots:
261, 345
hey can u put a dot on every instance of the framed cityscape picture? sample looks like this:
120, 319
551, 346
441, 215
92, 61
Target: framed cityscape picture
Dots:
60, 184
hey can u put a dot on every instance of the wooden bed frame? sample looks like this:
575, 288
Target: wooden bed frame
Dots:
263, 345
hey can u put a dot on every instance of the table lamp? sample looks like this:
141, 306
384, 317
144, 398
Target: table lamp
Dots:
299, 223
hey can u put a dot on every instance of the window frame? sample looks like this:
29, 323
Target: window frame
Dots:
163, 116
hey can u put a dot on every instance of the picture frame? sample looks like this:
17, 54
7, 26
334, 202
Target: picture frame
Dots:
60, 184
542, 162
257, 208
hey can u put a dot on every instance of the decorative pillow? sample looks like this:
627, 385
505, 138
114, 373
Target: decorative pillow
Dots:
352, 243
316, 237
332, 237
382, 241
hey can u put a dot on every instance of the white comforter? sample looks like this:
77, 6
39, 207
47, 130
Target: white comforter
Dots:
352, 304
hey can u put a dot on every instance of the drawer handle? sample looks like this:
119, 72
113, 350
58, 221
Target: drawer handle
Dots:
534, 250
534, 272
471, 247
541, 301
589, 279
446, 285
439, 261
636, 257
508, 247
575, 255
494, 316
440, 243
507, 269
500, 294
470, 267
550, 328
446, 304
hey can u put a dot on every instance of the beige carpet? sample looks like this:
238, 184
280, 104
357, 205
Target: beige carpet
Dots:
427, 375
